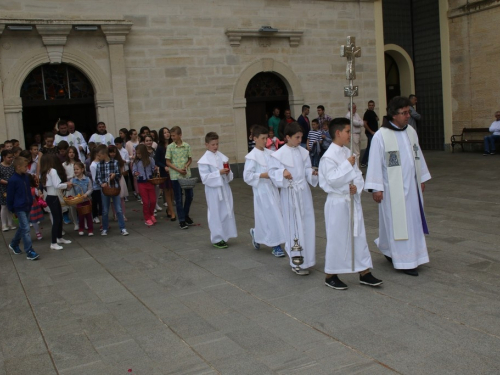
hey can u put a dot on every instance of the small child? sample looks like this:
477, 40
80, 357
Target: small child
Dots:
53, 178
36, 213
269, 228
272, 143
337, 170
290, 169
62, 150
108, 173
314, 143
216, 175
33, 160
96, 188
126, 158
114, 154
143, 169
179, 158
70, 159
19, 201
83, 185
6, 172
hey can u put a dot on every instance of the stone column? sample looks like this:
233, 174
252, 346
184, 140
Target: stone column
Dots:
116, 36
13, 109
3, 127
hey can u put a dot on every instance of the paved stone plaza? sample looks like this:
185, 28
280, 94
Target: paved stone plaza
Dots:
164, 301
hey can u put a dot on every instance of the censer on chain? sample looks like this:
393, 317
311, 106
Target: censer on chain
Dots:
297, 260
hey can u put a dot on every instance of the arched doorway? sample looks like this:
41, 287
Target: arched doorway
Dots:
52, 92
392, 85
264, 92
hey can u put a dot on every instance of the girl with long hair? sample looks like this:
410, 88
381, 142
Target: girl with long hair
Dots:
69, 165
123, 134
143, 169
53, 178
130, 147
160, 161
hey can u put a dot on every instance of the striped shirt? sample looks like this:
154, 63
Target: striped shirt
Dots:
313, 136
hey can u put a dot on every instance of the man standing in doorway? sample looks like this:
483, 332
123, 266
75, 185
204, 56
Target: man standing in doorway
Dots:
284, 121
81, 145
274, 121
102, 137
414, 116
396, 176
370, 122
356, 130
304, 123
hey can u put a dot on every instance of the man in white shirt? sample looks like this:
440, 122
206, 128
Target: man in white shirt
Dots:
81, 145
357, 125
102, 136
489, 140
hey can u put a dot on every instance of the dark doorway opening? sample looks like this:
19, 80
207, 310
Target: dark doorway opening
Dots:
393, 86
53, 92
264, 92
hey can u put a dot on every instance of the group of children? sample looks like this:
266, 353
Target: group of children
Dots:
283, 205
41, 178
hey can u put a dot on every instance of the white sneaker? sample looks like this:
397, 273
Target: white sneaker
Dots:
158, 208
81, 233
165, 204
55, 246
96, 220
124, 232
5, 229
12, 228
104, 232
62, 240
76, 227
91, 234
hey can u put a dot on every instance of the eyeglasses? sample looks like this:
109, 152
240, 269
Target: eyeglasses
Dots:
405, 113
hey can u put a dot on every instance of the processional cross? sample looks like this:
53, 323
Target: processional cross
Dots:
350, 51
415, 149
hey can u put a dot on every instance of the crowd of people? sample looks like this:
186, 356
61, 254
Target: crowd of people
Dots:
96, 175
279, 172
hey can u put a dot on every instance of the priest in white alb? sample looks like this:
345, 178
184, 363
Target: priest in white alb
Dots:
396, 176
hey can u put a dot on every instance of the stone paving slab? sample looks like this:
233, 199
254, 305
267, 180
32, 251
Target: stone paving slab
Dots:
164, 301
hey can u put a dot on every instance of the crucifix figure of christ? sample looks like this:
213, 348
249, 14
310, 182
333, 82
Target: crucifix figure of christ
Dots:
351, 52
415, 149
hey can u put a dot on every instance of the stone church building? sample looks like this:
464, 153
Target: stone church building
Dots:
214, 65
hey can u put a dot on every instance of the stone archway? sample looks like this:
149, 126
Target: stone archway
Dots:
295, 97
35, 58
405, 66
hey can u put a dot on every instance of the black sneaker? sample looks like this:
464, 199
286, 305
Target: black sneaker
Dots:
335, 283
369, 279
183, 225
220, 245
411, 272
189, 221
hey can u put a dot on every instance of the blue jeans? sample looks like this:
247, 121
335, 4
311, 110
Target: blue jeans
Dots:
315, 159
23, 231
367, 150
182, 211
106, 201
489, 143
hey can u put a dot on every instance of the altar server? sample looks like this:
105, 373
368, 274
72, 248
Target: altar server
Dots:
290, 169
336, 172
216, 175
269, 229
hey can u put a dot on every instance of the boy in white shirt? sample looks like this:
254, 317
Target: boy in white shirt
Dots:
269, 228
336, 171
216, 175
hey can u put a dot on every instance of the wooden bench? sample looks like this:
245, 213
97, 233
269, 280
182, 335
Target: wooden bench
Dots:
469, 136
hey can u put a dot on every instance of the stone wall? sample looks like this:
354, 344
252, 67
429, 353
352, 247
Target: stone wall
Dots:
181, 69
475, 56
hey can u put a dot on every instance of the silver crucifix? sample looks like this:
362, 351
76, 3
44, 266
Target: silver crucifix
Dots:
415, 149
351, 52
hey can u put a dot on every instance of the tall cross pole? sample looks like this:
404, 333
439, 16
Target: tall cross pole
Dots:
351, 51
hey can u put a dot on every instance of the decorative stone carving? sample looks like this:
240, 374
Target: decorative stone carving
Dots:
116, 34
235, 35
54, 38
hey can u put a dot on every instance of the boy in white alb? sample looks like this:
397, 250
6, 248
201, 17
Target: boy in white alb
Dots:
290, 169
269, 228
216, 175
336, 172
